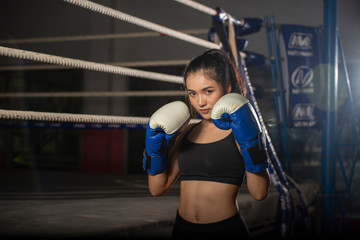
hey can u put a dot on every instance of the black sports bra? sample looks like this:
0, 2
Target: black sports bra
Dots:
218, 161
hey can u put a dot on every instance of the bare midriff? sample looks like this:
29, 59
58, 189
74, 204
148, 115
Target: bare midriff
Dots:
206, 201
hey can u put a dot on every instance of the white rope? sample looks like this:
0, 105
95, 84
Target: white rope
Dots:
69, 117
121, 64
143, 23
180, 62
96, 37
75, 63
73, 118
198, 6
93, 94
210, 11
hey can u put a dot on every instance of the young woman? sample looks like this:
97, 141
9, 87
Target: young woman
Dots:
210, 160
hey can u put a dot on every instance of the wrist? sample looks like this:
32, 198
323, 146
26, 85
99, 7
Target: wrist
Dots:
154, 164
255, 159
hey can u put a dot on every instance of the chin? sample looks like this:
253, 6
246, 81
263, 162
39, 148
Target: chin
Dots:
206, 116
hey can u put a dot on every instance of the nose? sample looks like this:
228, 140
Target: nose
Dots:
201, 100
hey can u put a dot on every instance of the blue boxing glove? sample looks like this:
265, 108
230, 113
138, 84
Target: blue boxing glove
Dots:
166, 123
235, 112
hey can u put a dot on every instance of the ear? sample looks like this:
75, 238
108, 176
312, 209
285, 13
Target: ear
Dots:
228, 90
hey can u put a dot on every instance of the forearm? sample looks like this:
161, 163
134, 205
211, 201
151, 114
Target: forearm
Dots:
258, 184
158, 184
161, 183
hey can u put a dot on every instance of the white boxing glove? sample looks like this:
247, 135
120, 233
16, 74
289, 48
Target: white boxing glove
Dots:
170, 117
166, 123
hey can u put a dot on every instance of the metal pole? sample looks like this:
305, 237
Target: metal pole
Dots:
329, 129
270, 43
281, 96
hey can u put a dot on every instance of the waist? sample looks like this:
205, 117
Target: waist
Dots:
205, 202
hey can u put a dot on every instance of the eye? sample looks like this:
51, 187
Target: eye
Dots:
191, 94
209, 92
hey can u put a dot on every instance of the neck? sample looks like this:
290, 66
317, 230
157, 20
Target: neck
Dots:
208, 123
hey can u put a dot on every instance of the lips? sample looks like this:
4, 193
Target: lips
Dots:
204, 111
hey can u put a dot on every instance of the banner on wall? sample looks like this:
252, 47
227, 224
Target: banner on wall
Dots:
301, 49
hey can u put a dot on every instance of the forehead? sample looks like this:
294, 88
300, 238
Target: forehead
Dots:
199, 80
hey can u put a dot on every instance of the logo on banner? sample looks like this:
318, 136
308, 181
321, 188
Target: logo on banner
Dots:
300, 40
304, 115
304, 111
302, 80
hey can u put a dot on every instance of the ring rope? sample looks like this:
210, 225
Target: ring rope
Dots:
142, 23
121, 64
96, 37
198, 6
205, 9
75, 63
69, 117
74, 118
93, 94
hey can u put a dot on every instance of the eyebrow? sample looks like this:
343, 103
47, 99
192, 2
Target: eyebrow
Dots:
205, 88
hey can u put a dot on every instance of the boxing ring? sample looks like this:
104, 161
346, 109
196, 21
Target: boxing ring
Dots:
288, 194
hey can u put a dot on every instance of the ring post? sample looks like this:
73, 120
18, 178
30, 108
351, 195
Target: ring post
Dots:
329, 129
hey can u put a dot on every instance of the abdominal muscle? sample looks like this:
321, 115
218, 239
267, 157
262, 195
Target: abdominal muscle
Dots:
207, 202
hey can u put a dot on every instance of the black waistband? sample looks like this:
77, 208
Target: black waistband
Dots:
210, 227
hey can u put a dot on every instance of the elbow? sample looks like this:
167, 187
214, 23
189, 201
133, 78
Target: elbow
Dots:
156, 188
260, 196
258, 185
156, 192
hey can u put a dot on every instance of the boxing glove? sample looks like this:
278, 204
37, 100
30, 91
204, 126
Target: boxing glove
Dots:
235, 112
166, 123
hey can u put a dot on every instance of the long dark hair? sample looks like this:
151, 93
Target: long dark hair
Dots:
217, 65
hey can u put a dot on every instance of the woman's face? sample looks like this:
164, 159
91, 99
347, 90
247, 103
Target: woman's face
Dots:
203, 93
